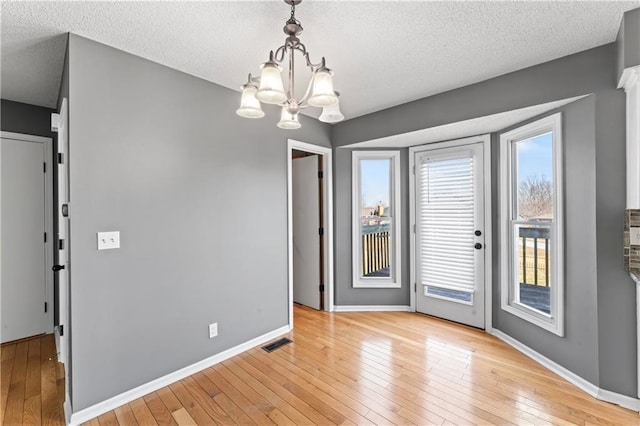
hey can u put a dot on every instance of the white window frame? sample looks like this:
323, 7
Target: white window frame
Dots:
554, 322
395, 280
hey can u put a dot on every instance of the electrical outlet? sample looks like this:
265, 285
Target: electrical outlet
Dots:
213, 330
108, 240
634, 236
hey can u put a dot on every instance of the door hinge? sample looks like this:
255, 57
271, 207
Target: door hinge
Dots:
60, 158
414, 228
61, 244
44, 167
45, 307
61, 329
321, 288
320, 174
321, 231
415, 287
414, 170
45, 237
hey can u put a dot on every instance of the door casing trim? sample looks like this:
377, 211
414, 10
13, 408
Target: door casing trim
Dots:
327, 166
485, 140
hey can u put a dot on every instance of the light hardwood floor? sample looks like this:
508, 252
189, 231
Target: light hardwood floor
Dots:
31, 383
373, 368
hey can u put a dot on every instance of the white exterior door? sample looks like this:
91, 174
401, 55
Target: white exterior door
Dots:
306, 239
23, 239
449, 202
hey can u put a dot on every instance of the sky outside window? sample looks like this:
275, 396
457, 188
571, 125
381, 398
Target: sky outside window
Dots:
535, 158
374, 181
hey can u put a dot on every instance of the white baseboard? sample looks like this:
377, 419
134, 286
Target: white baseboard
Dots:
371, 308
135, 393
618, 399
571, 377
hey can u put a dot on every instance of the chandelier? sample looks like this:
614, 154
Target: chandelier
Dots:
269, 87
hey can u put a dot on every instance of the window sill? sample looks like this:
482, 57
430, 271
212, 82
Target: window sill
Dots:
376, 284
543, 321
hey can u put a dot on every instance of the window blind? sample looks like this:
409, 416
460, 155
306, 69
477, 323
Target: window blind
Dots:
446, 222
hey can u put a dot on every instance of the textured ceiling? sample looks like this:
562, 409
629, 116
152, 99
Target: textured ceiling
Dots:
384, 53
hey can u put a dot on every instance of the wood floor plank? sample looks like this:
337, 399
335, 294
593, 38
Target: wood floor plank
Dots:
253, 411
309, 406
183, 418
15, 400
230, 407
315, 396
142, 413
258, 400
125, 416
160, 412
7, 353
285, 411
210, 405
33, 377
194, 409
92, 422
52, 412
108, 419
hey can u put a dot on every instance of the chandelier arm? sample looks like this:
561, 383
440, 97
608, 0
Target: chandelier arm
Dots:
279, 55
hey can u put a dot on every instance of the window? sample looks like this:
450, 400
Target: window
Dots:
531, 223
376, 219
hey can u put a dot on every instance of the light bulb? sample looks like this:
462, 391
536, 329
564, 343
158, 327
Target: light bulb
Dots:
288, 121
249, 105
271, 89
322, 94
331, 114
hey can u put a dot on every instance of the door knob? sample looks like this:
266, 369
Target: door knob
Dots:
478, 246
56, 268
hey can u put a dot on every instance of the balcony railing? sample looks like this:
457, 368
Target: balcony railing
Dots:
375, 254
533, 256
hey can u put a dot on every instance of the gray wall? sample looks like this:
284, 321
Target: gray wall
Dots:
616, 293
25, 118
602, 346
199, 197
578, 350
628, 42
345, 294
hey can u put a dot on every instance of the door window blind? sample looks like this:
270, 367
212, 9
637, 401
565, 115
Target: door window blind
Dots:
446, 222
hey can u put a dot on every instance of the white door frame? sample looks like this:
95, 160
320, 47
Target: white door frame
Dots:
48, 217
327, 165
486, 141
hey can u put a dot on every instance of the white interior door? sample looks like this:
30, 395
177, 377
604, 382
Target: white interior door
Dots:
23, 245
306, 239
449, 185
59, 125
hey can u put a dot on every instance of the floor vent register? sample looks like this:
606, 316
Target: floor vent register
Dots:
277, 344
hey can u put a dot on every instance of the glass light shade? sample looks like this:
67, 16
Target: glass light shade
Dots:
249, 105
331, 114
322, 94
271, 89
288, 120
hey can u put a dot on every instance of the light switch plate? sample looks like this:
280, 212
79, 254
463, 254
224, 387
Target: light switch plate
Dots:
634, 236
108, 240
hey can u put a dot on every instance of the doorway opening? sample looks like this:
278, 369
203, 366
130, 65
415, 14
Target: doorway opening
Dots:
310, 226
